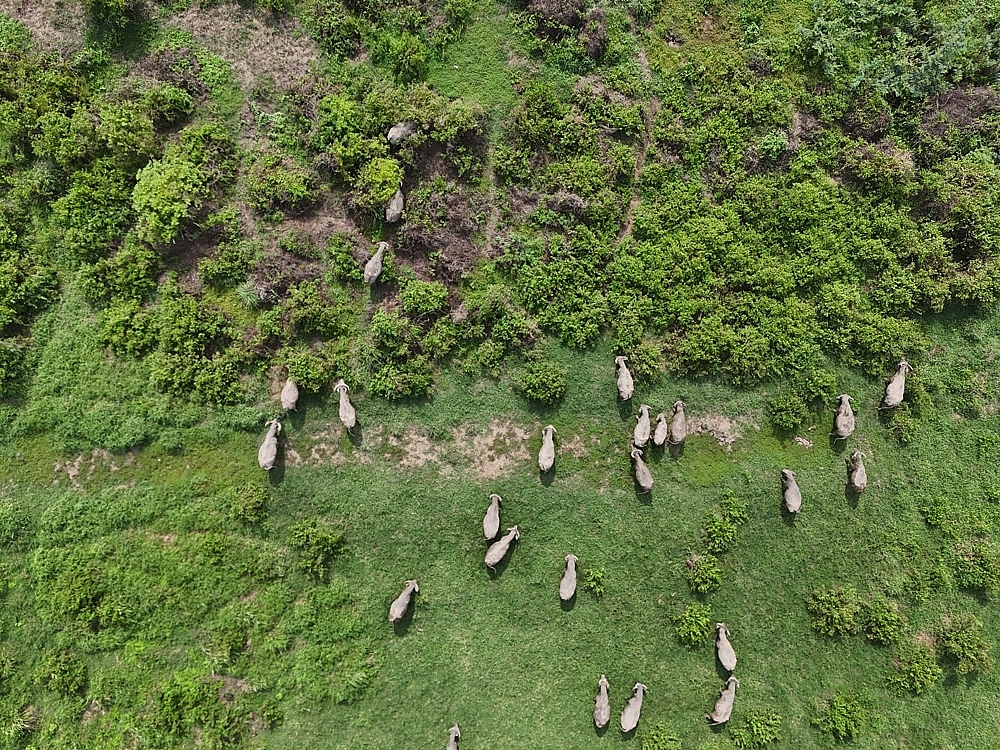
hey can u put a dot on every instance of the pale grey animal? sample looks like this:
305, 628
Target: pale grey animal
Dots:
267, 454
602, 707
400, 132
660, 432
373, 268
499, 548
547, 453
790, 491
491, 521
398, 608
727, 656
857, 477
843, 420
724, 706
289, 395
625, 383
678, 424
347, 413
454, 735
643, 477
640, 435
394, 211
630, 714
567, 586
895, 387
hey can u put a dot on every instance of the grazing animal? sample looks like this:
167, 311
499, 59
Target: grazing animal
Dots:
289, 395
857, 477
660, 433
400, 132
790, 491
398, 608
373, 268
727, 656
630, 714
267, 454
895, 387
394, 211
491, 521
625, 383
724, 706
640, 435
843, 420
347, 413
454, 735
678, 424
567, 586
642, 475
499, 548
547, 453
602, 708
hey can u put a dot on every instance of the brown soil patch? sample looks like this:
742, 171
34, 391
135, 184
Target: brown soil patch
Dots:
495, 451
231, 687
57, 25
961, 107
93, 711
83, 467
925, 639
726, 431
259, 47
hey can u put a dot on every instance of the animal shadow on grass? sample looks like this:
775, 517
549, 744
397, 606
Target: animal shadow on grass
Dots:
676, 449
277, 473
501, 566
400, 628
357, 435
601, 731
838, 445
851, 496
567, 606
644, 498
720, 670
787, 516
627, 736
297, 416
547, 477
625, 411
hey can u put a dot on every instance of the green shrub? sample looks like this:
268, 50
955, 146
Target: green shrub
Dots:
129, 329
317, 543
229, 264
881, 620
915, 667
962, 642
718, 533
423, 298
168, 104
845, 717
693, 624
903, 425
734, 509
660, 737
343, 266
166, 195
757, 728
405, 54
247, 502
410, 379
977, 565
62, 671
13, 523
543, 381
310, 368
112, 13
787, 412
703, 573
835, 611
274, 185
377, 182
593, 581
129, 274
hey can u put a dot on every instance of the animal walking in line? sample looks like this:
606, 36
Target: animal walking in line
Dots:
625, 383
843, 420
643, 477
678, 424
640, 435
630, 714
857, 477
397, 610
267, 454
348, 416
724, 649
547, 453
454, 735
790, 491
491, 521
602, 707
289, 395
498, 550
724, 706
894, 389
567, 586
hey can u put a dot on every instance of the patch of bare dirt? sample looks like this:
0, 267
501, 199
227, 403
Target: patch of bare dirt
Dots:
84, 466
961, 107
443, 225
57, 25
726, 431
232, 687
575, 447
496, 450
93, 711
259, 47
803, 442
417, 449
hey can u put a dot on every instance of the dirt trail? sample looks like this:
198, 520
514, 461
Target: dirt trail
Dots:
648, 118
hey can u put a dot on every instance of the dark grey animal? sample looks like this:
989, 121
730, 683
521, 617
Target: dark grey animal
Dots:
857, 477
843, 420
454, 735
267, 454
625, 383
289, 395
678, 424
394, 211
491, 521
567, 586
400, 132
373, 268
643, 477
660, 432
348, 416
602, 708
499, 548
399, 606
727, 656
547, 453
895, 387
790, 491
724, 706
640, 435
630, 714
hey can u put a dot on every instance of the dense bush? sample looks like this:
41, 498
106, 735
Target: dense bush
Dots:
661, 737
835, 611
543, 381
881, 620
844, 717
274, 186
915, 667
757, 728
703, 573
963, 643
317, 543
718, 534
977, 565
423, 298
693, 623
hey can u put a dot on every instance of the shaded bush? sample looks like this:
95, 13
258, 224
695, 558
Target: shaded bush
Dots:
317, 543
844, 717
881, 620
703, 573
915, 667
423, 298
977, 565
661, 737
718, 533
62, 671
757, 728
693, 624
835, 611
543, 381
963, 643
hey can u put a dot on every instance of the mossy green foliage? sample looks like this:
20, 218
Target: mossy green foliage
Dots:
844, 717
757, 728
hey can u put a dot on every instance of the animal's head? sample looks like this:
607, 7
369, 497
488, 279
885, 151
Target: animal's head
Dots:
679, 406
732, 681
516, 531
787, 474
619, 361
571, 558
548, 429
635, 452
644, 409
843, 399
603, 682
640, 688
720, 626
414, 585
341, 386
455, 732
495, 498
